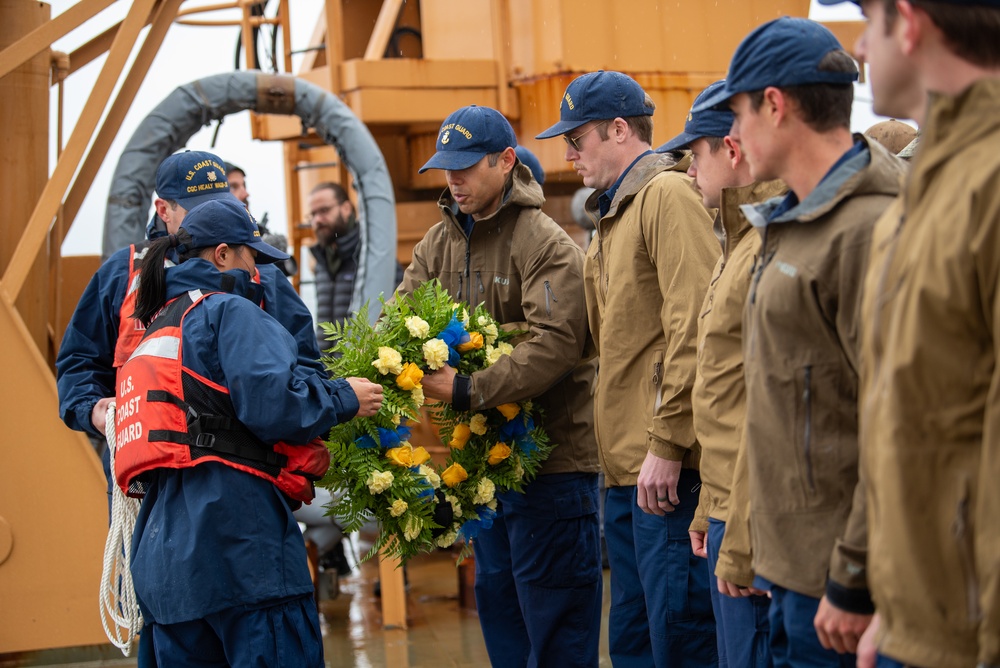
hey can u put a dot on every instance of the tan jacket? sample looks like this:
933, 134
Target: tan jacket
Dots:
930, 411
528, 272
718, 398
646, 274
801, 358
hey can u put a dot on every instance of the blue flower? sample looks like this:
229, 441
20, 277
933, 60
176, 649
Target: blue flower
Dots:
365, 442
472, 528
454, 335
516, 427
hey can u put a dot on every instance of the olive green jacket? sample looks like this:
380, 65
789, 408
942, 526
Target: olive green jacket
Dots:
529, 273
646, 273
718, 398
930, 410
801, 358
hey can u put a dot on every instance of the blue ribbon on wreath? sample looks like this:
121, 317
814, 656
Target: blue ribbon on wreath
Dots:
518, 431
472, 528
454, 335
389, 438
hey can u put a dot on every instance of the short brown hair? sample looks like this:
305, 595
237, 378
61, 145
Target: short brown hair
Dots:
642, 126
338, 190
824, 107
969, 31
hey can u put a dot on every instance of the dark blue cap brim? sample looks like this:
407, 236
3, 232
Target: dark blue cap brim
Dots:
266, 253
716, 101
452, 160
681, 141
561, 128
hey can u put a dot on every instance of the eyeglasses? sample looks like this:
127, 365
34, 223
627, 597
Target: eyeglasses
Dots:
321, 211
575, 141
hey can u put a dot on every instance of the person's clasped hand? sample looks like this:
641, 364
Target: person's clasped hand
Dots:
369, 396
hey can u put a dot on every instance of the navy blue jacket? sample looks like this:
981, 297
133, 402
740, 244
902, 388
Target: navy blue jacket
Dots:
85, 370
212, 537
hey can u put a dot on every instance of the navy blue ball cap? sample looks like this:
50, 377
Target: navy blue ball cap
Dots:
783, 52
226, 221
468, 135
531, 162
711, 122
191, 178
598, 96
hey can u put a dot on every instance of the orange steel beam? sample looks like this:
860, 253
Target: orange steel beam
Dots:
162, 17
384, 24
37, 228
501, 53
95, 47
334, 41
44, 35
254, 21
286, 33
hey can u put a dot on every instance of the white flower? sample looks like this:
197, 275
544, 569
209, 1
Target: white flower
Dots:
484, 491
477, 425
417, 394
398, 507
389, 361
518, 469
379, 481
412, 527
436, 353
490, 333
505, 348
433, 479
492, 505
447, 539
456, 507
482, 321
417, 326
465, 318
492, 355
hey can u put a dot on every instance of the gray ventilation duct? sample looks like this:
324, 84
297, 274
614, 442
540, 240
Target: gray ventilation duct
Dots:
192, 106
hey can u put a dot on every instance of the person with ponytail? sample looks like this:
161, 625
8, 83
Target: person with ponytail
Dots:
217, 431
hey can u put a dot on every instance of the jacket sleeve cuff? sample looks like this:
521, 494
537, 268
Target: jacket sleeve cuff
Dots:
461, 392
665, 449
856, 601
83, 414
741, 577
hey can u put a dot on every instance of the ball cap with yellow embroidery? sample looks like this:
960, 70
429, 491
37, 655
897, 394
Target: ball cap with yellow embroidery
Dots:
468, 135
226, 221
598, 96
191, 178
713, 122
783, 52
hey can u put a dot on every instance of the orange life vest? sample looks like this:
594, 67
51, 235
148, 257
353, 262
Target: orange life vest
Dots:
130, 330
168, 416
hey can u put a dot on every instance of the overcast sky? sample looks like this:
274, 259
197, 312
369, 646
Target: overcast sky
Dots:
190, 53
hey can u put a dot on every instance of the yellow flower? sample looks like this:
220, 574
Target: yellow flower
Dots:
484, 491
453, 475
509, 411
478, 424
417, 327
407, 455
395, 419
379, 481
498, 453
436, 353
398, 507
475, 342
410, 377
389, 361
460, 436
412, 527
418, 396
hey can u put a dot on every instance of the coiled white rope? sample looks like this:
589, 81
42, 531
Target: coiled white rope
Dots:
119, 609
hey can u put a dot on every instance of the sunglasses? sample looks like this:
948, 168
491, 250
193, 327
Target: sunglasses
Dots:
575, 141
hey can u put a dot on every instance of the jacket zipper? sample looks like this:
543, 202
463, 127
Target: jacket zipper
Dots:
550, 296
468, 253
807, 399
960, 531
656, 384
763, 260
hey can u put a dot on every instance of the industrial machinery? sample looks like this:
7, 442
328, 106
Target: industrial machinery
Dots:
400, 66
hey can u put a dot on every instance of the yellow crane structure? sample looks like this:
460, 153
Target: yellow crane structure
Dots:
401, 66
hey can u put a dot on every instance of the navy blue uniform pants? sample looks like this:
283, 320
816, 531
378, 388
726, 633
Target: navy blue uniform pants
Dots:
794, 642
741, 623
661, 609
285, 635
538, 575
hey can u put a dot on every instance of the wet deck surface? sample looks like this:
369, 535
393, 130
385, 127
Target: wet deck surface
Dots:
441, 633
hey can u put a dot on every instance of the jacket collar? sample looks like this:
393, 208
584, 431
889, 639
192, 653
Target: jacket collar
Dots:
954, 123
874, 171
641, 173
199, 274
734, 224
